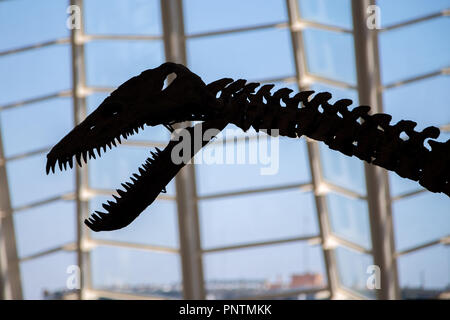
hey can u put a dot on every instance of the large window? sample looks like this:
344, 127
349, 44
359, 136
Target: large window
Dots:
304, 232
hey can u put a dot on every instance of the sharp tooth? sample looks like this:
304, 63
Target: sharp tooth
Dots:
60, 164
100, 214
91, 154
154, 154
130, 185
125, 186
158, 150
78, 157
142, 127
133, 179
95, 217
118, 139
84, 156
136, 176
121, 192
141, 171
169, 127
116, 198
99, 150
104, 148
65, 165
111, 203
106, 207
114, 143
109, 145
48, 166
71, 162
136, 130
53, 167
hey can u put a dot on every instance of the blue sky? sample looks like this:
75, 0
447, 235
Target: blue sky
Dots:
252, 55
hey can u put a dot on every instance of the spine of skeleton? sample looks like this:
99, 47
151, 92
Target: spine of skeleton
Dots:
355, 132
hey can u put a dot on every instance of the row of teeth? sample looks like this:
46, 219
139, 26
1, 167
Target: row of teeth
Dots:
88, 154
109, 206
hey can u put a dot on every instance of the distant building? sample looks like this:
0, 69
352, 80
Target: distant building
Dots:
306, 280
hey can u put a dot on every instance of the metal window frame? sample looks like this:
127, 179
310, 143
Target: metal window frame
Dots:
190, 250
377, 184
313, 153
10, 280
186, 191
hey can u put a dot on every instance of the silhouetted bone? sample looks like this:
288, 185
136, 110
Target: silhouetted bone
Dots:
387, 151
142, 100
369, 137
344, 138
435, 175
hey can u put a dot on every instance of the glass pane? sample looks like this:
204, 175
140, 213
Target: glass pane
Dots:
157, 225
253, 218
337, 93
21, 74
425, 274
29, 183
154, 134
130, 17
249, 55
56, 223
354, 270
116, 167
333, 12
330, 54
399, 185
264, 163
421, 218
46, 277
249, 272
205, 16
40, 125
339, 169
22, 22
349, 219
402, 57
111, 63
425, 102
403, 10
136, 272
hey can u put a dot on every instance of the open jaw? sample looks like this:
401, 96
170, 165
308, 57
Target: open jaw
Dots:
142, 100
144, 186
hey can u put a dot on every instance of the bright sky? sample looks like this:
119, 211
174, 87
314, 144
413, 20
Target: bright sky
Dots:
263, 54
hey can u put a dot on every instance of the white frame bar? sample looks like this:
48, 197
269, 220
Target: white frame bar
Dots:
377, 183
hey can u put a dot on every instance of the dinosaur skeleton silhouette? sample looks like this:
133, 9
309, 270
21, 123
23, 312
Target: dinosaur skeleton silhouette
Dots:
143, 100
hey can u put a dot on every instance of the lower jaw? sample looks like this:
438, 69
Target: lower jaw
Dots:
146, 189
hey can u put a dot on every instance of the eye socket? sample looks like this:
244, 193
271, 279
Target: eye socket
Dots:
168, 80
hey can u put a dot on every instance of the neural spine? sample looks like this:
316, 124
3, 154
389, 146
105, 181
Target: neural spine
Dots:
370, 137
